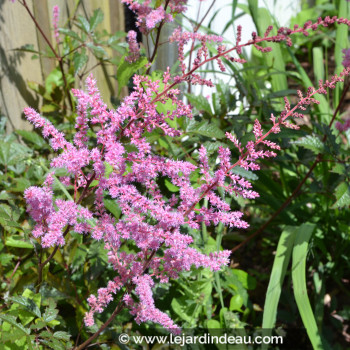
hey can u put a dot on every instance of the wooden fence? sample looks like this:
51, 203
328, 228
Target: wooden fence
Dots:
17, 68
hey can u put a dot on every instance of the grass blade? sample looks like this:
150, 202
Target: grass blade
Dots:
301, 244
317, 55
279, 268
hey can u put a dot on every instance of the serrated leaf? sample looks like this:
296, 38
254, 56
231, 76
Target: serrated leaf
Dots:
62, 335
200, 103
312, 143
98, 51
17, 241
205, 129
339, 169
29, 304
244, 173
181, 310
213, 146
70, 33
12, 320
36, 297
79, 61
126, 70
84, 24
6, 258
116, 37
342, 194
50, 314
96, 19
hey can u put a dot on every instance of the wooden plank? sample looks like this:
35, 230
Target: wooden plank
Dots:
41, 13
17, 68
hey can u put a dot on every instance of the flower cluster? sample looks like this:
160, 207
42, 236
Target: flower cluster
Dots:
121, 165
136, 115
134, 48
55, 17
343, 127
148, 17
182, 38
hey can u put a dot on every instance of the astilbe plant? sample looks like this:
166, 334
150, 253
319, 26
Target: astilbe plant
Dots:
150, 221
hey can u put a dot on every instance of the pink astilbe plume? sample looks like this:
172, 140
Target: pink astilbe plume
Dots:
148, 17
134, 48
122, 167
55, 15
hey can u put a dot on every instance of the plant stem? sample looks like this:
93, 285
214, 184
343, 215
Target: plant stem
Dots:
301, 183
156, 45
58, 57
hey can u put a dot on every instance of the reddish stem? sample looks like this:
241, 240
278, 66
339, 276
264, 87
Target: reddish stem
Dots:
58, 57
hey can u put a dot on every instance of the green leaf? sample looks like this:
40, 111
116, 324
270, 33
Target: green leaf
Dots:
31, 295
181, 310
339, 169
5, 153
84, 24
70, 33
312, 143
53, 79
116, 37
213, 146
126, 70
12, 320
35, 86
33, 138
170, 186
98, 51
301, 243
62, 335
79, 61
213, 324
16, 241
342, 194
96, 19
205, 129
279, 268
50, 314
244, 173
29, 304
318, 64
247, 281
113, 207
200, 103
236, 303
48, 108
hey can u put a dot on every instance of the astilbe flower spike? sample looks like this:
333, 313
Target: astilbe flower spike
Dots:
149, 220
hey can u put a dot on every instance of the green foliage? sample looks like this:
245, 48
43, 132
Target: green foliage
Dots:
25, 326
